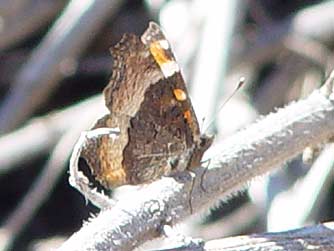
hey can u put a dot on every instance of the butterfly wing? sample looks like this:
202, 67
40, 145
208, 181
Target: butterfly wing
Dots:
149, 103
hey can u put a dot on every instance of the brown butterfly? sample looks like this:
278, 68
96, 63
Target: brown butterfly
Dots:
149, 104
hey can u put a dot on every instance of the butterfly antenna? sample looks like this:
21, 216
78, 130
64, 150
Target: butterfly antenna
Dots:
240, 84
202, 124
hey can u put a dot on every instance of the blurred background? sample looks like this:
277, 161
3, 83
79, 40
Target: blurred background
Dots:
55, 62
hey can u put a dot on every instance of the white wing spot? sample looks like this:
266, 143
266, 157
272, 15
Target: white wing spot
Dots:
169, 68
164, 44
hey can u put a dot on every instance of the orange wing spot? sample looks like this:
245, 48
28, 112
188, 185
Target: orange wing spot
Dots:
180, 95
159, 53
187, 116
116, 178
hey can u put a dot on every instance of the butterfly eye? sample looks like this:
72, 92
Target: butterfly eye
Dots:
203, 142
173, 162
206, 141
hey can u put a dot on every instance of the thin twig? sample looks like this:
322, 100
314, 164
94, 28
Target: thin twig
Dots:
41, 134
294, 208
63, 44
314, 22
92, 65
42, 187
25, 19
240, 219
140, 216
272, 92
319, 237
213, 57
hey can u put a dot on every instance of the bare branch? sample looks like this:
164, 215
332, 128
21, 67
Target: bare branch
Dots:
62, 45
25, 18
42, 133
289, 211
209, 67
43, 185
319, 237
314, 22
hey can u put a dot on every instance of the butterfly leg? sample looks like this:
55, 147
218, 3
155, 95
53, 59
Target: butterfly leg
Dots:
203, 174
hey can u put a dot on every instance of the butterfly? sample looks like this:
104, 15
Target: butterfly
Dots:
149, 106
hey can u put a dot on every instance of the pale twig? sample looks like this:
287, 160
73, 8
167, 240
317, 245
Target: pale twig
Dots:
272, 92
301, 200
42, 133
42, 187
140, 216
92, 65
319, 237
314, 22
213, 57
314, 52
25, 19
235, 222
56, 54
295, 207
